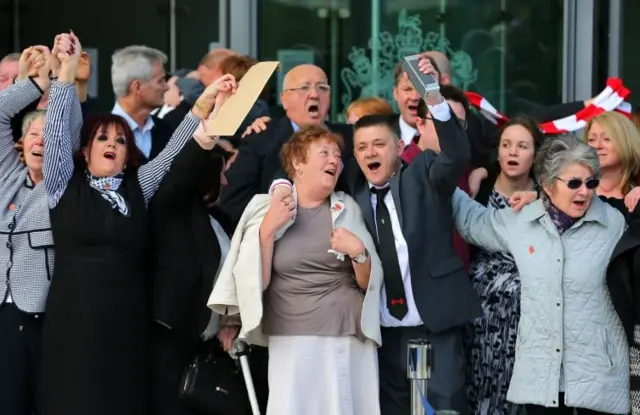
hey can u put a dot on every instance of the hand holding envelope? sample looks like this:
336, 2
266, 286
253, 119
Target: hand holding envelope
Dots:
235, 109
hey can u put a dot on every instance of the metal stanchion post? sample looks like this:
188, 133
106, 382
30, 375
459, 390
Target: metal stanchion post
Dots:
419, 365
240, 350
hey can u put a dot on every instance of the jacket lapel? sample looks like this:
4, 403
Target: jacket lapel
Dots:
363, 198
337, 207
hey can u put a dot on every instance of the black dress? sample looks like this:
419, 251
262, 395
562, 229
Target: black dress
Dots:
95, 334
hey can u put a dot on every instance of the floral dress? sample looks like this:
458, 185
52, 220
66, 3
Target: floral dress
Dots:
491, 339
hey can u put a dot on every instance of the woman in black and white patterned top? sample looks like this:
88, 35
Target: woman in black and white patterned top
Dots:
95, 336
26, 242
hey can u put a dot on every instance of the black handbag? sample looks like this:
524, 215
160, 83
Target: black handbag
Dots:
213, 384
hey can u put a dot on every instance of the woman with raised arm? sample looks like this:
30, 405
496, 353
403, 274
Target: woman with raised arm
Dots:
95, 336
571, 351
26, 242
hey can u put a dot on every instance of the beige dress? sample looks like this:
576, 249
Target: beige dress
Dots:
319, 360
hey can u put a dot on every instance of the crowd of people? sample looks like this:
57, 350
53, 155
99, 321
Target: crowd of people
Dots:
136, 241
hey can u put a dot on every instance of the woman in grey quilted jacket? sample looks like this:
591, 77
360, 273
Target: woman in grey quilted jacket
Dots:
571, 350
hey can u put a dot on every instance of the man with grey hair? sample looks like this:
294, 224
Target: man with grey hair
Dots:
139, 83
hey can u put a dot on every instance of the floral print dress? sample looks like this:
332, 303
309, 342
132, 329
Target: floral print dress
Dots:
491, 339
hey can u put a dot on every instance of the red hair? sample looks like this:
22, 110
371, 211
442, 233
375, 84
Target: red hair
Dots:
94, 123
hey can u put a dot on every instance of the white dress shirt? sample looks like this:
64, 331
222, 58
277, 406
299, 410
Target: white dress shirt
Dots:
407, 132
143, 136
412, 318
440, 112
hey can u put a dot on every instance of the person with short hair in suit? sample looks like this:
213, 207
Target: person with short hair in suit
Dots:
139, 83
427, 293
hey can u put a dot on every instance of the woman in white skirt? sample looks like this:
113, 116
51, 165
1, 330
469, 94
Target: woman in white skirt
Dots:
321, 309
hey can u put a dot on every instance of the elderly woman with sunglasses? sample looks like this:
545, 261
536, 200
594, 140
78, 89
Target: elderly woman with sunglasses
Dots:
571, 349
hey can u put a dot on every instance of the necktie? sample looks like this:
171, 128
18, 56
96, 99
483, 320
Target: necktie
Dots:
394, 287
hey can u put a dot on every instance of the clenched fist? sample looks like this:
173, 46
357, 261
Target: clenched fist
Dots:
344, 241
280, 212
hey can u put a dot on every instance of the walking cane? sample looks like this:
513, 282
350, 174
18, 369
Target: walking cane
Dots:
419, 365
240, 351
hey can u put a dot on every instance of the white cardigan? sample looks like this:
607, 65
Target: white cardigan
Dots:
238, 289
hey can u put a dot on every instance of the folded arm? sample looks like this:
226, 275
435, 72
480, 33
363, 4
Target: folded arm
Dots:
58, 141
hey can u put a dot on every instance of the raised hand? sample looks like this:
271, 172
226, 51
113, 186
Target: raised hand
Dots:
42, 63
346, 242
34, 63
84, 68
68, 53
225, 85
25, 64
54, 62
259, 125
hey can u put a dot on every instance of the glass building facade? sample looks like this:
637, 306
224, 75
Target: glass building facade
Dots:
519, 54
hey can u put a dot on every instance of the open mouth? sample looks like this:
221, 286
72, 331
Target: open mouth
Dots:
314, 110
110, 155
36, 153
512, 163
413, 108
330, 172
373, 166
580, 203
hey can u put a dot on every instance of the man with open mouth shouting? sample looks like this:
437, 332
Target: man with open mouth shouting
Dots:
305, 97
427, 293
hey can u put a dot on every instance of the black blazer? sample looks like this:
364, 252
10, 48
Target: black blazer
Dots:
176, 115
185, 253
160, 135
258, 162
623, 273
422, 194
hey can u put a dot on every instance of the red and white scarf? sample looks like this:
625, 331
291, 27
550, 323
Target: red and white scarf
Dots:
612, 98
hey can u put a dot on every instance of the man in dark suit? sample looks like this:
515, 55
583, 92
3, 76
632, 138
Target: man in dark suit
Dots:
306, 96
139, 83
187, 247
427, 293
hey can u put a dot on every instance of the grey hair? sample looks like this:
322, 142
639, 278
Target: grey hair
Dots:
12, 57
133, 63
557, 152
30, 118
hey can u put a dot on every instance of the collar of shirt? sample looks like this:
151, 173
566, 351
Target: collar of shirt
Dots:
148, 124
373, 186
295, 126
406, 131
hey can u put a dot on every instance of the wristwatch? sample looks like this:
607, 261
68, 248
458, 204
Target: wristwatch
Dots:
361, 258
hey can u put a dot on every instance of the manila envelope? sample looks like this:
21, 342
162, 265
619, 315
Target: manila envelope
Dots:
237, 107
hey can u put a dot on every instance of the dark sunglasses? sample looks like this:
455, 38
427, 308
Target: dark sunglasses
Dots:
575, 184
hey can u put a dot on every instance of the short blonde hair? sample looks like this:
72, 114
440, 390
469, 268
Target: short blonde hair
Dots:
626, 140
26, 123
298, 145
370, 106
